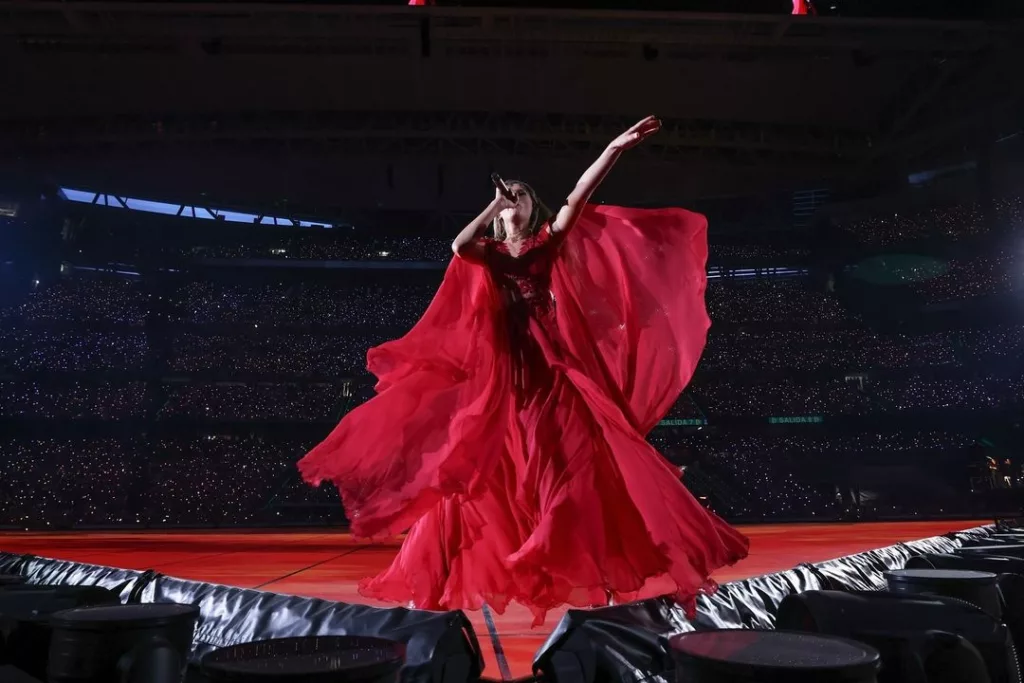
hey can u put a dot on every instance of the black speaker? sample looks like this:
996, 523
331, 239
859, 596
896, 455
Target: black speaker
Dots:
9, 674
978, 588
897, 625
1002, 549
313, 659
11, 580
749, 656
148, 643
26, 612
996, 564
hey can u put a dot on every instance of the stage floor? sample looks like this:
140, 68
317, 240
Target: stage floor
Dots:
329, 565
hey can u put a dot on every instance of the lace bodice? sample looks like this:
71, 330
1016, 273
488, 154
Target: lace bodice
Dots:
525, 276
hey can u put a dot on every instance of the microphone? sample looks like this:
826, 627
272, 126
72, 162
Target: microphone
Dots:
503, 188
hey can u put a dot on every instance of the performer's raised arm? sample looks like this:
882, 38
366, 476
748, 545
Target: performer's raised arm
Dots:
592, 177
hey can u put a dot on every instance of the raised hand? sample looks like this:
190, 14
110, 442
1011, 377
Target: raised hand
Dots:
636, 134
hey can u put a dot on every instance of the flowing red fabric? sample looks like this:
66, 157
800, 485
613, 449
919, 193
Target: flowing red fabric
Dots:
802, 7
435, 426
512, 446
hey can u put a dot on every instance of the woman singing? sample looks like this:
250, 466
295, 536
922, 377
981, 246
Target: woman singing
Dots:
507, 434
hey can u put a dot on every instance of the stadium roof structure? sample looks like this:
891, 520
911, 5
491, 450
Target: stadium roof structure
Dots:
315, 98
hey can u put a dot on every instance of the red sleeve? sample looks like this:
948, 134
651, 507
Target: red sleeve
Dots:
437, 425
630, 288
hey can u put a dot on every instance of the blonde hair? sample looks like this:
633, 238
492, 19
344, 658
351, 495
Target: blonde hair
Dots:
540, 215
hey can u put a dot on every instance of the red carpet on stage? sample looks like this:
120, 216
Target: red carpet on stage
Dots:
328, 564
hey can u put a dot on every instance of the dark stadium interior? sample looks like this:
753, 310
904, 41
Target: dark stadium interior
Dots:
208, 215
866, 255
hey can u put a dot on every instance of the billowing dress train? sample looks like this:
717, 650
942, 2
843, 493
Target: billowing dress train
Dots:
507, 434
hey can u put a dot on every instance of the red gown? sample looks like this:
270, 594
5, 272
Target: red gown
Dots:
507, 434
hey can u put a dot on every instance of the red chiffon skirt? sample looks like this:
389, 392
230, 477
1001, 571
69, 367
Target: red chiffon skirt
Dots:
580, 509
510, 443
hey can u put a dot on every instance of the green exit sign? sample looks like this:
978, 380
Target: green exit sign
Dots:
796, 420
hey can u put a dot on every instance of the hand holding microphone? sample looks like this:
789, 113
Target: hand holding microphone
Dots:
503, 189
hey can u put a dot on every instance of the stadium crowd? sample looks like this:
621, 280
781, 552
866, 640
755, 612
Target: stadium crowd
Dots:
383, 247
304, 304
251, 402
167, 389
134, 481
227, 478
286, 354
956, 221
77, 400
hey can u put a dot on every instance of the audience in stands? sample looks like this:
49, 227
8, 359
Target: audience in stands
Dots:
97, 372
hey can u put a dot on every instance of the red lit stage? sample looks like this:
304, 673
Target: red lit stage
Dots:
328, 564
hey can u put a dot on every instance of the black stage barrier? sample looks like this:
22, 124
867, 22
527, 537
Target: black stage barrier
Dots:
629, 642
441, 647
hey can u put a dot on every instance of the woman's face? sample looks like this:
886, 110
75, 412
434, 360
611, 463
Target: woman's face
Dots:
518, 217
